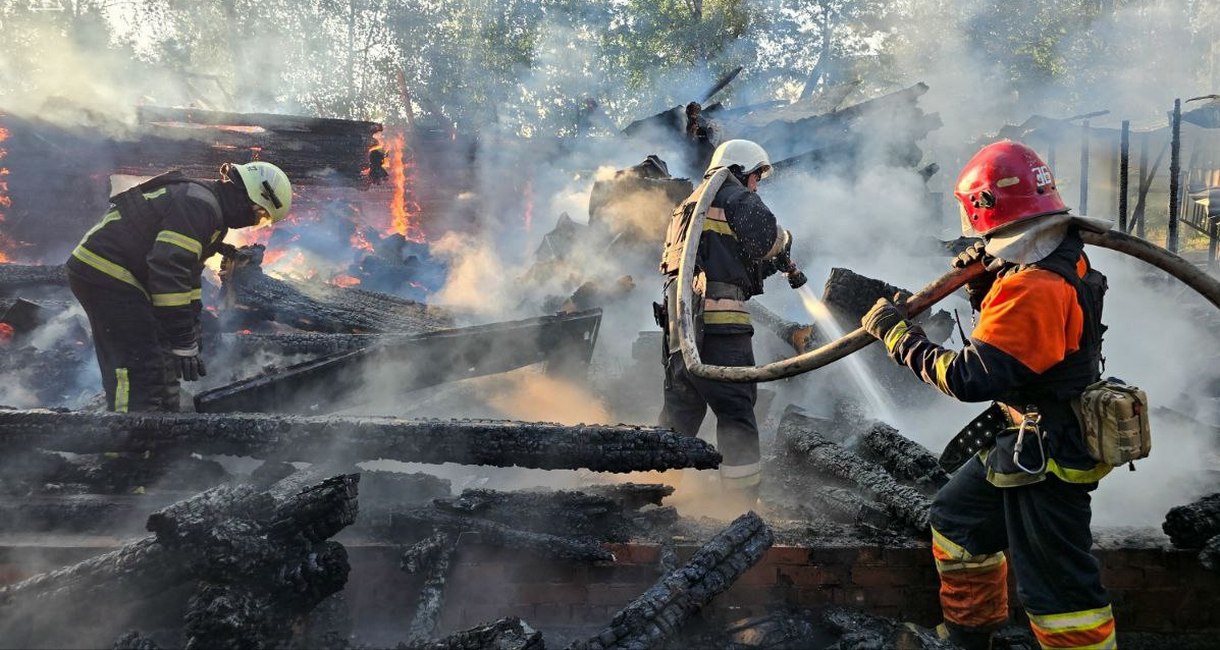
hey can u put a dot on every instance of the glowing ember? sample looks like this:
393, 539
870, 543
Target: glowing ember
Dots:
5, 201
403, 206
244, 332
344, 280
6, 333
360, 240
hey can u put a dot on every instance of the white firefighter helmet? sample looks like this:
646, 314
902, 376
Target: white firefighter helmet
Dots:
745, 153
268, 187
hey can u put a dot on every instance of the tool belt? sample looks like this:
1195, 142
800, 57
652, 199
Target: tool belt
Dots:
1114, 418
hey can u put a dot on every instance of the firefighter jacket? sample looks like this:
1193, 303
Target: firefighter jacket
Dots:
739, 238
1036, 346
155, 237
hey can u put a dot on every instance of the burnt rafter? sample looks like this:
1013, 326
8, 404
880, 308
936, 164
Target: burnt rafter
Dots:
598, 447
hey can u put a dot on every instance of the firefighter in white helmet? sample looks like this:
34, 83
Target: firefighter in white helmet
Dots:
740, 246
137, 273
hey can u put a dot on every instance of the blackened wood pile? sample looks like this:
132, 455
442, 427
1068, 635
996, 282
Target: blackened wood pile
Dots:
253, 562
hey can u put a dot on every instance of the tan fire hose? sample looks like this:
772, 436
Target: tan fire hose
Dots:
1193, 276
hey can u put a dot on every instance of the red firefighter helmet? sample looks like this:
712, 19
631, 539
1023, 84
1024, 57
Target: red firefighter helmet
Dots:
1005, 182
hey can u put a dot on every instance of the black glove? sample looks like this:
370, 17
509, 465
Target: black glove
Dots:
188, 363
883, 317
977, 288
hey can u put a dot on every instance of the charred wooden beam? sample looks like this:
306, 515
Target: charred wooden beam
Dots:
656, 616
843, 505
1192, 525
1210, 555
408, 363
34, 471
850, 295
133, 640
16, 277
284, 552
319, 307
408, 523
868, 631
799, 437
504, 634
904, 458
632, 496
604, 448
432, 593
558, 512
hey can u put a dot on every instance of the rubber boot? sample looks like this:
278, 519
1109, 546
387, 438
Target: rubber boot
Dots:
965, 637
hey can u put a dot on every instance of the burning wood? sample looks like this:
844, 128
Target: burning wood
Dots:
405, 362
798, 435
609, 448
320, 307
656, 616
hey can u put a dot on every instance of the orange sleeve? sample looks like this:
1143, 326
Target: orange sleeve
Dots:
1033, 317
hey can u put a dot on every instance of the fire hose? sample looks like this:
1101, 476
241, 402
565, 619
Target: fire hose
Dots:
1191, 275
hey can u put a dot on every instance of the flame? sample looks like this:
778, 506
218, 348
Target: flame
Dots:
6, 333
5, 201
244, 332
344, 280
360, 240
403, 205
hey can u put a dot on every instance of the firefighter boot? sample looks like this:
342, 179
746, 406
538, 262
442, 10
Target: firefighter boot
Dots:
967, 638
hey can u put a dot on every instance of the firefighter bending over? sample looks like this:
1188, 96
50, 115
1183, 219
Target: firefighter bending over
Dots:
137, 275
1036, 345
740, 246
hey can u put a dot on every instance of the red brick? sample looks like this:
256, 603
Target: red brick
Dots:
473, 615
612, 595
633, 574
649, 554
552, 614
813, 598
760, 574
908, 557
788, 555
870, 555
533, 593
852, 597
751, 596
807, 576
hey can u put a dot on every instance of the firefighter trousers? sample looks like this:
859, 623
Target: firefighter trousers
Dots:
136, 371
1044, 527
687, 398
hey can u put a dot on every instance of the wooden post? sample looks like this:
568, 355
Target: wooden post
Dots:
1124, 159
1138, 217
1175, 172
1084, 167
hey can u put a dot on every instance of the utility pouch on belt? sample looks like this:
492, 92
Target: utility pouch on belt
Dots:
671, 313
1114, 419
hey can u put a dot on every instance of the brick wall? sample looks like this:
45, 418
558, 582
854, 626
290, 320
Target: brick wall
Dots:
1154, 589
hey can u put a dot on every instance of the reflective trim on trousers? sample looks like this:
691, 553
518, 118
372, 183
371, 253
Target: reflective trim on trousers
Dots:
122, 390
1091, 629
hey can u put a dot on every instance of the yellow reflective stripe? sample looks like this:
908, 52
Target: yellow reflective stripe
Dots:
197, 294
181, 241
148, 196
1072, 621
215, 236
106, 266
718, 227
975, 563
175, 299
894, 336
941, 366
112, 215
1078, 475
122, 390
949, 546
726, 318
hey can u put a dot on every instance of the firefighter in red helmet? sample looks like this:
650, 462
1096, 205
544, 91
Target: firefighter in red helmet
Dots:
1036, 346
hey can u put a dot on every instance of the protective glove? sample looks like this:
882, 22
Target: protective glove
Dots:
883, 317
977, 288
188, 363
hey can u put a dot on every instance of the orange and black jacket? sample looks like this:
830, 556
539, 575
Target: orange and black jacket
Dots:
1036, 346
155, 238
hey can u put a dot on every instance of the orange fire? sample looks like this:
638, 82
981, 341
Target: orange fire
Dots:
360, 240
403, 206
344, 280
5, 201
